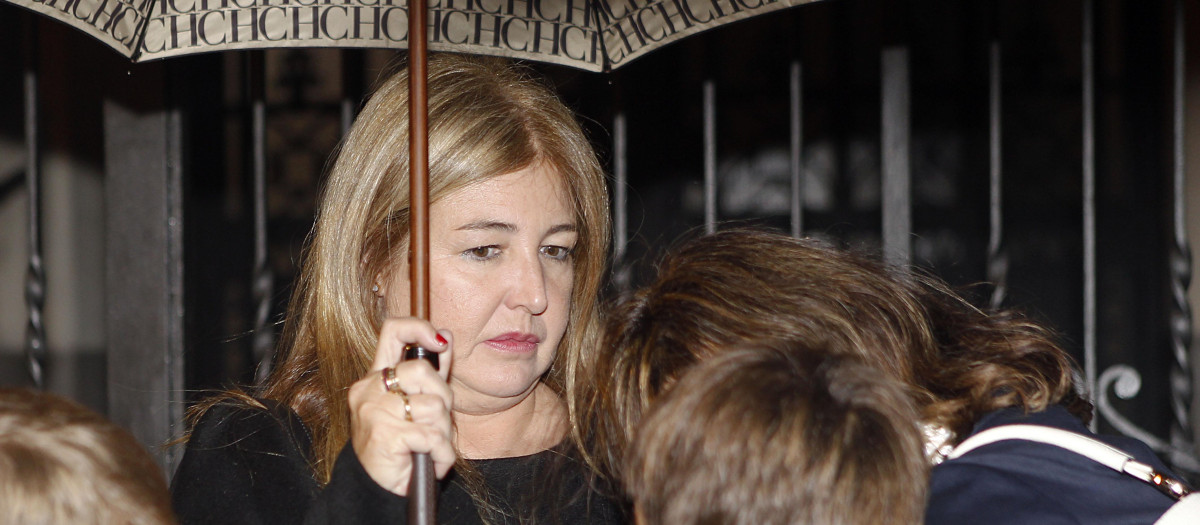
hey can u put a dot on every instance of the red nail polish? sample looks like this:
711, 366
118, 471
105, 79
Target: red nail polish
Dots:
441, 340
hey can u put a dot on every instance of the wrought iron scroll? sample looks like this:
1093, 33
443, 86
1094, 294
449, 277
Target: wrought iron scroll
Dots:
1125, 380
35, 278
710, 157
1182, 436
997, 256
263, 279
796, 160
1126, 383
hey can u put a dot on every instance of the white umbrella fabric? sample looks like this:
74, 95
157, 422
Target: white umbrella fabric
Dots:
593, 35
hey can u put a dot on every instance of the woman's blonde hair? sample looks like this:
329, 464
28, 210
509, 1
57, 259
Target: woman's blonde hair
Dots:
487, 117
62, 463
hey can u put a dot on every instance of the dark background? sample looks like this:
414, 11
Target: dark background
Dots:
838, 43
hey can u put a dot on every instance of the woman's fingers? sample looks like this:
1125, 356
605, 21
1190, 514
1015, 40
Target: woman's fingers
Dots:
387, 428
441, 451
445, 354
385, 448
397, 332
428, 409
431, 415
403, 407
422, 409
418, 377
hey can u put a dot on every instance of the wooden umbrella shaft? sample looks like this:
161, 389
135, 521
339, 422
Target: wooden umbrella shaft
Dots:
418, 158
422, 487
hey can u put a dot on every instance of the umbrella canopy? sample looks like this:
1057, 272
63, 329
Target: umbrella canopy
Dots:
594, 35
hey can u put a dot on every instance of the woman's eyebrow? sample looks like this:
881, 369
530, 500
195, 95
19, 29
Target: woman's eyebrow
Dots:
567, 227
509, 227
487, 225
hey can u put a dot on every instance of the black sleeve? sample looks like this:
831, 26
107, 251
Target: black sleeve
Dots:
250, 465
353, 497
244, 465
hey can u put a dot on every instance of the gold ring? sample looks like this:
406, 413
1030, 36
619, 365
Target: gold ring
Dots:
407, 407
390, 383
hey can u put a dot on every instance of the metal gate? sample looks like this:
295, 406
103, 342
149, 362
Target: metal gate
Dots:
1039, 147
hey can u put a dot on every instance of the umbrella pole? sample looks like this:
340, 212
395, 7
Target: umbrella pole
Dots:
422, 502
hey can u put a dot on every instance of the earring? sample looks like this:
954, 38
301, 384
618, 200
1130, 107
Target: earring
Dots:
375, 289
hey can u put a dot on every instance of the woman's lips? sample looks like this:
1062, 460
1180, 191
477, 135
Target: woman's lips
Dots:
515, 342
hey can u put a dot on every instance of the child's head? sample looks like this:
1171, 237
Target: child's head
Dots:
63, 463
763, 435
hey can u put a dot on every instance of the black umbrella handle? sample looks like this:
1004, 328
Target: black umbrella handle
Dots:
417, 352
422, 502
422, 486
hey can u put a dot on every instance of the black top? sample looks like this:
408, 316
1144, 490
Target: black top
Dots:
247, 465
1020, 482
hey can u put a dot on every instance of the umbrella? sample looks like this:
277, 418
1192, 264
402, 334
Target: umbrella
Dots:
594, 35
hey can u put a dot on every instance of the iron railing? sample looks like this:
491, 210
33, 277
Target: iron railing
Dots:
164, 399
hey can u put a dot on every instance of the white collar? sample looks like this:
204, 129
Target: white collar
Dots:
937, 442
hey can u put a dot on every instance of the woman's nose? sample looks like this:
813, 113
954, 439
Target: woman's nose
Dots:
528, 286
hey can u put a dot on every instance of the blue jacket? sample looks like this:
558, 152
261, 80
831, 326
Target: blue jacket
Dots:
1022, 482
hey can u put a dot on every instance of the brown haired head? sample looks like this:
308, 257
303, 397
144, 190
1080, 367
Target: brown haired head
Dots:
779, 435
748, 287
62, 463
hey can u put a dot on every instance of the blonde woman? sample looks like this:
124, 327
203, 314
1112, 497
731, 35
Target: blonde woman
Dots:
519, 237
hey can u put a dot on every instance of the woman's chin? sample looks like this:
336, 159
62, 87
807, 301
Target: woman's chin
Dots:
492, 393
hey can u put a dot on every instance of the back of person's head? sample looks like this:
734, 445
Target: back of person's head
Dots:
779, 435
742, 287
62, 463
737, 288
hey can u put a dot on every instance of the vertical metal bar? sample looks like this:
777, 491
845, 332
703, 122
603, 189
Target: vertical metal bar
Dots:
710, 157
144, 263
796, 160
1089, 203
620, 201
264, 336
35, 277
1182, 435
172, 352
896, 124
997, 259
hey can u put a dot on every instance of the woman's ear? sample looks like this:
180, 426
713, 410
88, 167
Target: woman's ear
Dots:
379, 290
375, 284
379, 285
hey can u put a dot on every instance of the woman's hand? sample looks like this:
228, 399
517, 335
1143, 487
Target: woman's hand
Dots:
383, 432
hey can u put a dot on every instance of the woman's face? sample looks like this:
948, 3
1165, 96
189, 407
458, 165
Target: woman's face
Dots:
501, 274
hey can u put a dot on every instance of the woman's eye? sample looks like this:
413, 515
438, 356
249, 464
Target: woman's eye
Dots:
560, 253
482, 252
